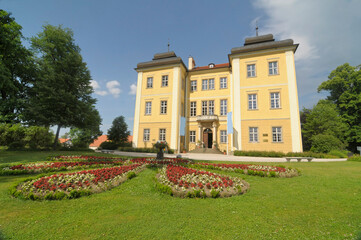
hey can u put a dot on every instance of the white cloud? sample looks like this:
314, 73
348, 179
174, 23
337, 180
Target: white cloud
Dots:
113, 88
133, 89
101, 92
327, 31
94, 84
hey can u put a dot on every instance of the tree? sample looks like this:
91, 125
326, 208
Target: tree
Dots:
118, 132
62, 93
323, 119
344, 86
17, 70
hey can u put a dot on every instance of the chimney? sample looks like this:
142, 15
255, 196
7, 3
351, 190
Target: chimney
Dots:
191, 63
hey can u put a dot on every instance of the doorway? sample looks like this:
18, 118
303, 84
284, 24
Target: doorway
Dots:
208, 138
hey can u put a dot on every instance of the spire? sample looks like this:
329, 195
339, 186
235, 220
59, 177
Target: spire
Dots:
168, 44
257, 28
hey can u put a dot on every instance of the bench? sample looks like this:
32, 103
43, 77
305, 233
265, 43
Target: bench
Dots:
299, 158
107, 151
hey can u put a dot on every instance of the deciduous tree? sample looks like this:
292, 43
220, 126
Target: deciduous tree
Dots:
118, 132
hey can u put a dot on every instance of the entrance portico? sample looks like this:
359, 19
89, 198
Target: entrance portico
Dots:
207, 130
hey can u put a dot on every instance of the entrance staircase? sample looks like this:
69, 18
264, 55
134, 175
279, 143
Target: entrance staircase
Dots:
206, 150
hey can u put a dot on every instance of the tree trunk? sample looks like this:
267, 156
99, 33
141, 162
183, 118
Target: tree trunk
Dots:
56, 137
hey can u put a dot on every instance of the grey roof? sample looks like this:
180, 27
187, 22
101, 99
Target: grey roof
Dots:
160, 59
261, 43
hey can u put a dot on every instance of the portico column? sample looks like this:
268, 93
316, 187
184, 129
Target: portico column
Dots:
200, 133
214, 132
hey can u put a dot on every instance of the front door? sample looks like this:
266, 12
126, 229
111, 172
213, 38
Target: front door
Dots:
208, 138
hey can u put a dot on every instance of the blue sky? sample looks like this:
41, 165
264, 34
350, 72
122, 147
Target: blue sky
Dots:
115, 35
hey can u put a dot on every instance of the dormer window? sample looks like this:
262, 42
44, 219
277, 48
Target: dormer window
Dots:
211, 65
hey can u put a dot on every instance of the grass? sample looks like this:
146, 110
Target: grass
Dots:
323, 203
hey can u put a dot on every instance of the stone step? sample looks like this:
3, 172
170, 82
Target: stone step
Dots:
206, 150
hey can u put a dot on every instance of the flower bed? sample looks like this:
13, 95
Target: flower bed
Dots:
186, 182
55, 166
251, 169
74, 185
83, 158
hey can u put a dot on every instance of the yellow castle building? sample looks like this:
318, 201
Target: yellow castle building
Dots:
253, 96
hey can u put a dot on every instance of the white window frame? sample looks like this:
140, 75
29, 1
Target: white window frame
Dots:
204, 84
273, 68
253, 134
223, 110
211, 84
223, 83
146, 135
204, 107
148, 108
193, 109
252, 101
251, 70
162, 134
192, 136
211, 107
193, 85
150, 82
277, 134
223, 136
275, 98
165, 81
163, 107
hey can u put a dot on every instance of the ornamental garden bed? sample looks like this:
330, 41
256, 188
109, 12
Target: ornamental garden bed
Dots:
84, 158
183, 182
74, 185
55, 166
251, 169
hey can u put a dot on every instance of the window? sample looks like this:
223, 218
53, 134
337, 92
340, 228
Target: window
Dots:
192, 136
276, 134
211, 107
148, 108
162, 134
275, 100
252, 101
251, 70
146, 134
193, 111
223, 83
204, 107
273, 68
165, 81
193, 86
204, 84
149, 82
163, 107
223, 136
253, 134
223, 107
211, 84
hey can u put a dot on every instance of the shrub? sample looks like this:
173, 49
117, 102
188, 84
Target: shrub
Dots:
214, 193
109, 145
145, 150
131, 175
355, 158
338, 153
16, 145
325, 143
38, 137
259, 153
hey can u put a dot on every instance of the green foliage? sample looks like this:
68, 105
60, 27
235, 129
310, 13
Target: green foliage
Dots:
322, 119
355, 158
108, 145
344, 86
338, 153
131, 175
61, 94
214, 193
146, 150
38, 137
118, 132
325, 143
163, 188
259, 153
82, 138
17, 70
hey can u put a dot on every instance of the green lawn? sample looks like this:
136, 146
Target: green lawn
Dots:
323, 203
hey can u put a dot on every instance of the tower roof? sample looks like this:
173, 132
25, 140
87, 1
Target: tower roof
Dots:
161, 59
